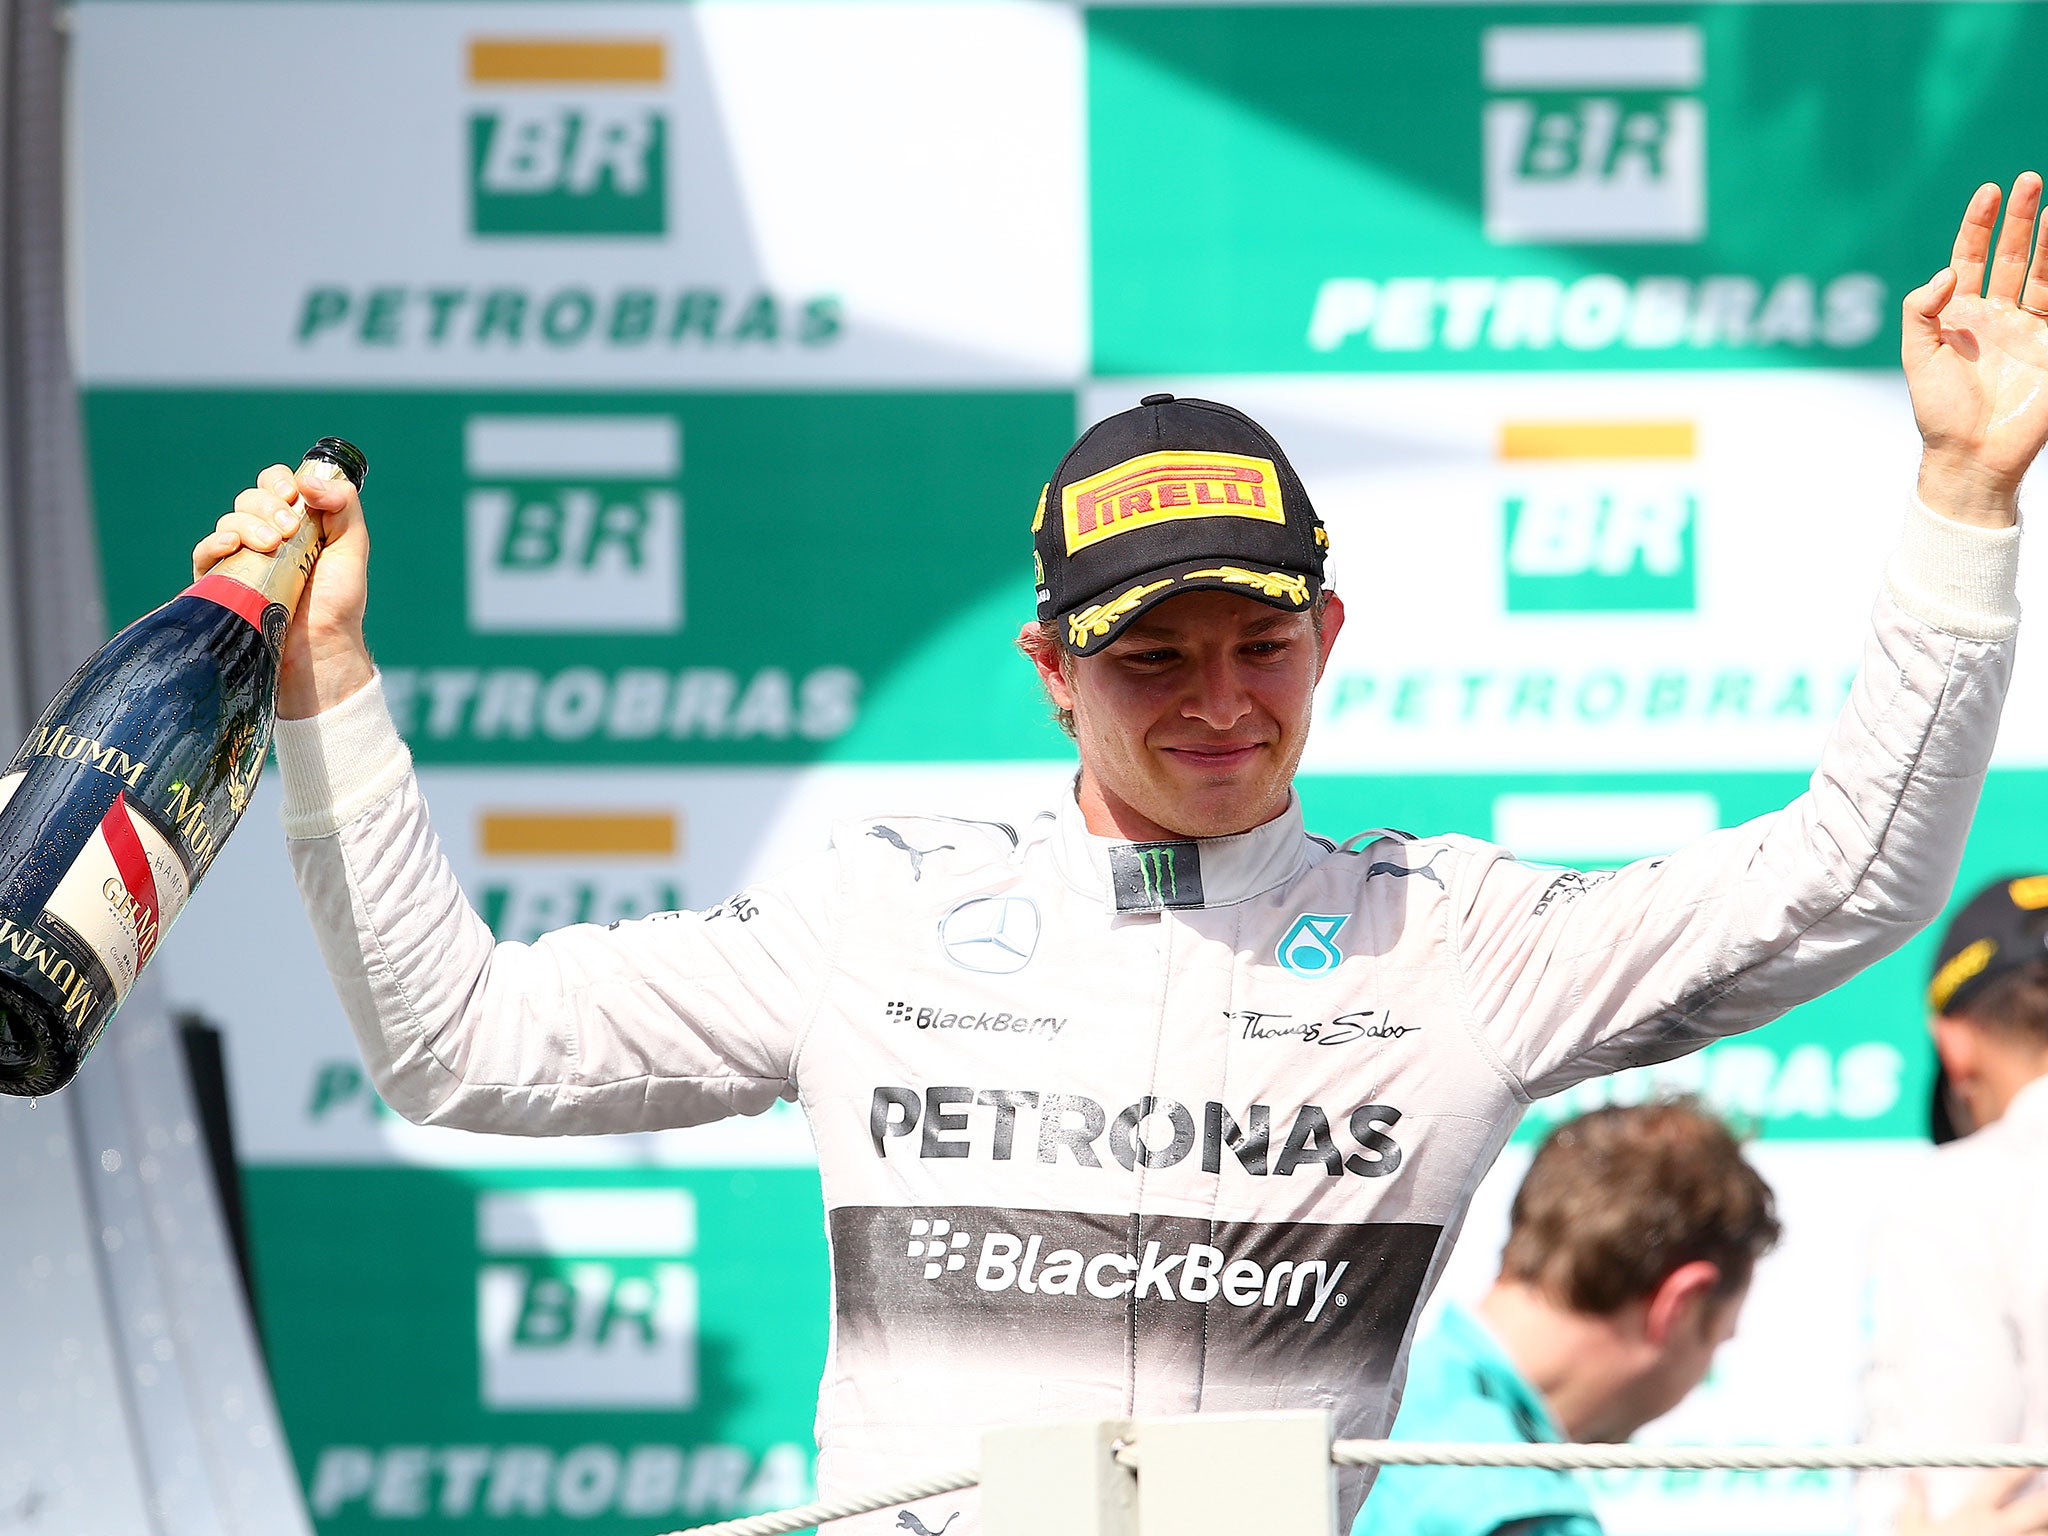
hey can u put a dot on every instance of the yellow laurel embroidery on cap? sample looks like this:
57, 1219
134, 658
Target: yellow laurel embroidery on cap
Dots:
2029, 894
1322, 539
1160, 487
1098, 619
1038, 517
1272, 583
1962, 965
1037, 568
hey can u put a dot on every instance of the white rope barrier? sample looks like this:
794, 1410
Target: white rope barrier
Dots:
1756, 1458
804, 1516
1426, 1453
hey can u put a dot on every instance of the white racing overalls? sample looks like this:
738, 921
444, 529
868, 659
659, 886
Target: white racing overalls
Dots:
1115, 1129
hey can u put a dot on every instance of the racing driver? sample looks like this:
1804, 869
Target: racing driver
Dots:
1199, 1133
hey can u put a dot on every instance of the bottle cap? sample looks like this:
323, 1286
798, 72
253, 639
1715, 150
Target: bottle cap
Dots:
344, 456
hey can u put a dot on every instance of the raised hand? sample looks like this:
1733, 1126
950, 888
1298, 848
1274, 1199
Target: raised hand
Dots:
325, 656
1978, 367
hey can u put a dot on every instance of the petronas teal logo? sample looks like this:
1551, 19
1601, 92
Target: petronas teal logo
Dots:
1309, 947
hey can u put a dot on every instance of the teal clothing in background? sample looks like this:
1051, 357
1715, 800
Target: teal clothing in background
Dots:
1462, 1386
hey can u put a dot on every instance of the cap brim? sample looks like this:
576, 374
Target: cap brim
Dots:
1094, 624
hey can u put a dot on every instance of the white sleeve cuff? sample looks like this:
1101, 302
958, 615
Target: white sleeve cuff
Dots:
339, 763
1956, 576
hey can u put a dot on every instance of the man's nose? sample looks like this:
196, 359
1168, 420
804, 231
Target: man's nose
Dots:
1218, 697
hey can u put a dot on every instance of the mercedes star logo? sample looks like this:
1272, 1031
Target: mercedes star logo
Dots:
992, 934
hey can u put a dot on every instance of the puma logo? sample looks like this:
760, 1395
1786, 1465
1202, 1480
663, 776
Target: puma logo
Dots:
1403, 871
915, 1526
894, 839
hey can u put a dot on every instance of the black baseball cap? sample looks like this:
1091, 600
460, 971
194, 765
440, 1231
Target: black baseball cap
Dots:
2000, 929
1168, 497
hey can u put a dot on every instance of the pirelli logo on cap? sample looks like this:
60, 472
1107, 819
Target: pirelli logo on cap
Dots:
1158, 487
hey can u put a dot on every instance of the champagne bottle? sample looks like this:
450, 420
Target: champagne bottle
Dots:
114, 807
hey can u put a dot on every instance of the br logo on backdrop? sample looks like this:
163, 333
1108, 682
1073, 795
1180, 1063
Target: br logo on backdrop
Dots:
574, 523
583, 1298
544, 868
567, 136
1599, 516
1594, 134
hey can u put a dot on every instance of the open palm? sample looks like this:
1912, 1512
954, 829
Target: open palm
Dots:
1978, 366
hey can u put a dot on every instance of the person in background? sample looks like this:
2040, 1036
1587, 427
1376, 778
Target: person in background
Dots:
1629, 1254
1959, 1264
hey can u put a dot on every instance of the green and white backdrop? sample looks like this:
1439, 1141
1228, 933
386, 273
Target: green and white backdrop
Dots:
709, 357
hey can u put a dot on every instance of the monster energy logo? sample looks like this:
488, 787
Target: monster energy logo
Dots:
1150, 877
1155, 869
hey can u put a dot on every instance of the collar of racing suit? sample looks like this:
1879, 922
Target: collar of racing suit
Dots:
2029, 1106
1194, 872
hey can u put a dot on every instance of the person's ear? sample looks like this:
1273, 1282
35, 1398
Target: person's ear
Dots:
1683, 1301
1045, 654
1333, 620
1959, 1044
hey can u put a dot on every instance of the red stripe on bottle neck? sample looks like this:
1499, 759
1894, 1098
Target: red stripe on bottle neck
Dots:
232, 595
125, 844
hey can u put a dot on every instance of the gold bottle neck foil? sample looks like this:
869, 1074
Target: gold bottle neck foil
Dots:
281, 574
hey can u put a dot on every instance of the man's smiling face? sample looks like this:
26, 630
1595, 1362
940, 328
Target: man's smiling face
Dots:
1191, 722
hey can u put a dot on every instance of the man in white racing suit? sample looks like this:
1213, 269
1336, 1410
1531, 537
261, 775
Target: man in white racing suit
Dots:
1161, 1104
